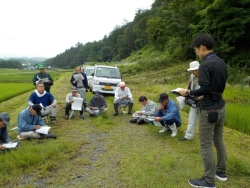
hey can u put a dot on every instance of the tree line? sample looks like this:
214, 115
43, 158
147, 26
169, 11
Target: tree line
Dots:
13, 64
169, 27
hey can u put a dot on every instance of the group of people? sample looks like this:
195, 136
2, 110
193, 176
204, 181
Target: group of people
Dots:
207, 83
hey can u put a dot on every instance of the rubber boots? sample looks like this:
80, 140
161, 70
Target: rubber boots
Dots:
116, 109
130, 106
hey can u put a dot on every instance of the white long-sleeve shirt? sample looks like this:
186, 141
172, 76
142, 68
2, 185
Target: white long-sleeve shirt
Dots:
123, 93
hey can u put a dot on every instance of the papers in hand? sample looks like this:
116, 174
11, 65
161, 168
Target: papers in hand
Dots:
77, 104
43, 130
10, 145
136, 115
176, 91
45, 79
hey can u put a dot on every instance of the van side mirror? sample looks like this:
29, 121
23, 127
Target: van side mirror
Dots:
92, 74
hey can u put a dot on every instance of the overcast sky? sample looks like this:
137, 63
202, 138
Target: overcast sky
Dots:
45, 28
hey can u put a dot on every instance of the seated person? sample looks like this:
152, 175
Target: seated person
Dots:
4, 122
46, 100
148, 109
167, 115
97, 104
28, 121
123, 96
69, 101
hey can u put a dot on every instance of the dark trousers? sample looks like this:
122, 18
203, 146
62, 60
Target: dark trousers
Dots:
68, 108
210, 133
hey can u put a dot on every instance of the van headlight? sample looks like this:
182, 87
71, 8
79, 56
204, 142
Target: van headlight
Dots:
96, 82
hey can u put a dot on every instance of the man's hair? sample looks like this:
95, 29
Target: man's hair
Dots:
203, 39
78, 67
142, 98
39, 82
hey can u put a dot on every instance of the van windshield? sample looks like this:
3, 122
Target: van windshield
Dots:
89, 71
107, 72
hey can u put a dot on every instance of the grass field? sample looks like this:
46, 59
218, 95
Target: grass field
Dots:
108, 151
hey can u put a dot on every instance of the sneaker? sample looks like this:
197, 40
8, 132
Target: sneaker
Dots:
221, 176
133, 121
164, 129
81, 116
201, 182
183, 139
140, 122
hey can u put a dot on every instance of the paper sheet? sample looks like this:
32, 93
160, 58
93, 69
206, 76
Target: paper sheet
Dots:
43, 130
45, 79
10, 145
77, 104
176, 91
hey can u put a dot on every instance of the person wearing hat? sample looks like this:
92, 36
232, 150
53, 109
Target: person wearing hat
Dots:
69, 101
30, 120
80, 81
45, 77
123, 96
46, 100
168, 115
194, 112
148, 109
97, 104
4, 122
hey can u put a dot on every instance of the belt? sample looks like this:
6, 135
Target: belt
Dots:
80, 87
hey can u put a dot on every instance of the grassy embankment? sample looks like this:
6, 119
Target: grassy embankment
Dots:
107, 151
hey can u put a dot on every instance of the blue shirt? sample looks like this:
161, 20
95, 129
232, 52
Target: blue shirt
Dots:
170, 112
4, 137
27, 122
46, 100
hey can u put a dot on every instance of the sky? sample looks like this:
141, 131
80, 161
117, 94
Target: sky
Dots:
46, 28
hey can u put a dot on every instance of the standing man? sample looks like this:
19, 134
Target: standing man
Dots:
167, 115
212, 81
123, 96
69, 101
4, 122
194, 112
46, 100
45, 77
80, 81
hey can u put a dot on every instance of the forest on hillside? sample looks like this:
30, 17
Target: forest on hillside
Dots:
169, 27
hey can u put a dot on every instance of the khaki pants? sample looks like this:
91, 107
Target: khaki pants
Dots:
30, 134
210, 133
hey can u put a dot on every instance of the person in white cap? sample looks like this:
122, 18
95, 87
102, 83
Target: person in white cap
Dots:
69, 101
4, 122
123, 96
97, 104
194, 112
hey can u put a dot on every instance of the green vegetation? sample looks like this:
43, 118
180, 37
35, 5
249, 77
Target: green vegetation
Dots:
108, 151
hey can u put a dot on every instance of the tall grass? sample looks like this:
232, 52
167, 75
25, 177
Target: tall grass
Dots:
10, 90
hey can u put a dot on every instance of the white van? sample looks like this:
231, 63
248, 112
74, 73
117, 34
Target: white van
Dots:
89, 70
105, 79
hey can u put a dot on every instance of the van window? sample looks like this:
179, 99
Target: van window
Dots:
88, 72
107, 72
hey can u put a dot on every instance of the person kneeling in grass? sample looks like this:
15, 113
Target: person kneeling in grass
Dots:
97, 104
148, 109
167, 115
4, 122
29, 120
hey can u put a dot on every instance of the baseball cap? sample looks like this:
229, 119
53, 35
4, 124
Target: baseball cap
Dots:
41, 66
163, 96
5, 117
37, 108
97, 93
74, 88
